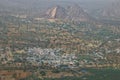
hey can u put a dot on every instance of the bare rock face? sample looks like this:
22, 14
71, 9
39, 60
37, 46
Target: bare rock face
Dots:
72, 13
56, 12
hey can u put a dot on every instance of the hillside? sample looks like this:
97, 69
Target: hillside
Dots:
112, 11
73, 13
56, 12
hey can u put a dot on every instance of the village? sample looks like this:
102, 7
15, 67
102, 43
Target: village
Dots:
51, 56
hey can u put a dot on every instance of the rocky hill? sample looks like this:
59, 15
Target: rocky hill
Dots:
73, 13
112, 11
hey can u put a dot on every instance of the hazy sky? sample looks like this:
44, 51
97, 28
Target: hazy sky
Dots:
41, 3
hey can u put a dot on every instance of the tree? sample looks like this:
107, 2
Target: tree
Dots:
43, 73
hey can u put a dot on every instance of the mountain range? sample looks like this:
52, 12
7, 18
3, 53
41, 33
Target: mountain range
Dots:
103, 9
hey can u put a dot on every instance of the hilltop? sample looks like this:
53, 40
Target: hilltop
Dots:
72, 13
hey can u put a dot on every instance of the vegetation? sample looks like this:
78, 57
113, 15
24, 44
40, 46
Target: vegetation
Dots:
96, 74
43, 73
84, 39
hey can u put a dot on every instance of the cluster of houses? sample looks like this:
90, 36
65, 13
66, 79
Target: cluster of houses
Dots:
56, 58
52, 57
